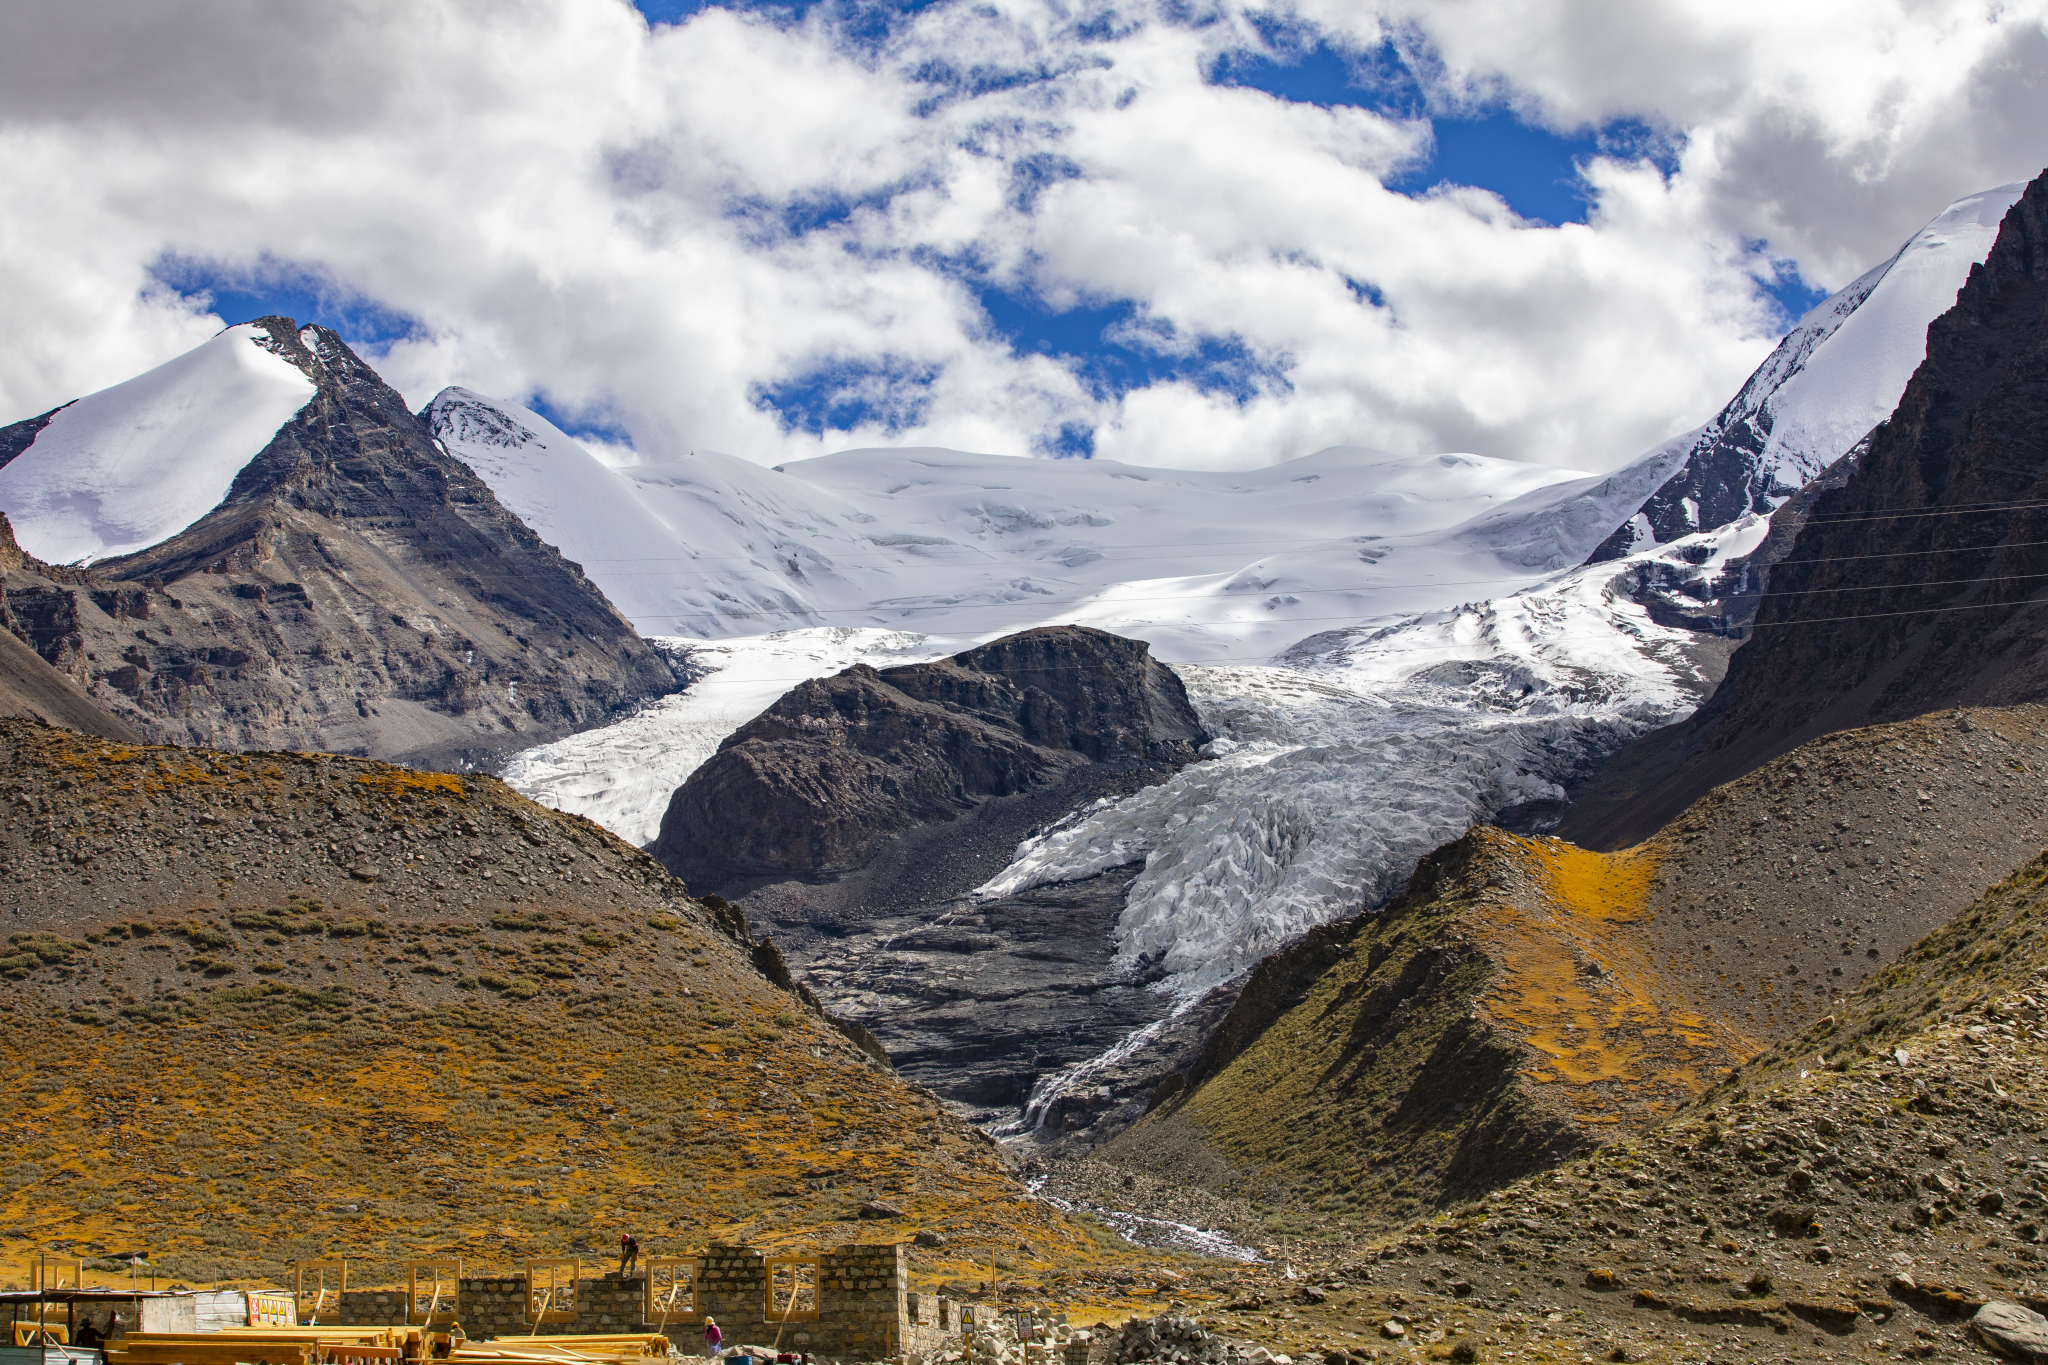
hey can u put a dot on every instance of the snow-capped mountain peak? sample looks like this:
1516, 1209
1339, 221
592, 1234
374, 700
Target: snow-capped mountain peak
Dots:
122, 469
1835, 375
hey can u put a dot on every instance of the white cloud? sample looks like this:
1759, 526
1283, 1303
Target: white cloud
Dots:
663, 226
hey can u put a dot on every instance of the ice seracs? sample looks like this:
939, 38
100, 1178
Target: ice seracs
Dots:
1362, 749
121, 469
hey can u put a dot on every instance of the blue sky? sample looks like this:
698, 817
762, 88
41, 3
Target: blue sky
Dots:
1109, 344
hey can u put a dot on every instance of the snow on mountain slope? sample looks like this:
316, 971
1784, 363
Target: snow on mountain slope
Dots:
963, 548
1834, 376
121, 469
570, 499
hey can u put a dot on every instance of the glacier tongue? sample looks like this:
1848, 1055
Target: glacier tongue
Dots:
1338, 768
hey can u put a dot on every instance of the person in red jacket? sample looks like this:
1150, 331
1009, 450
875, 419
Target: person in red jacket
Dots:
712, 1336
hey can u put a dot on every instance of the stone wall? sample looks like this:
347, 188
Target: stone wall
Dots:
865, 1310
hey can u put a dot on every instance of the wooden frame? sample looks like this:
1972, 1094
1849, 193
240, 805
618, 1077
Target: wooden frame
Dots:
48, 1272
444, 1292
799, 1283
550, 1295
320, 1271
669, 1294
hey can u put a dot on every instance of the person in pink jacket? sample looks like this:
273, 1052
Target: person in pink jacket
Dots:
712, 1337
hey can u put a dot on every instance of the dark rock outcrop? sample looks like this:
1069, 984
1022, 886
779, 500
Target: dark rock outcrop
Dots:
21, 435
814, 785
1920, 583
357, 591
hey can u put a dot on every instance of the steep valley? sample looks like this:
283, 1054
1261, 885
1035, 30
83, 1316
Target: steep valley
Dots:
1527, 999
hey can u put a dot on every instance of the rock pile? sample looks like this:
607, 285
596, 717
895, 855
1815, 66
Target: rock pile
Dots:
1181, 1341
1170, 1339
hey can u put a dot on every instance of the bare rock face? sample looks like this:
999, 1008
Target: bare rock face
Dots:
358, 591
31, 689
814, 785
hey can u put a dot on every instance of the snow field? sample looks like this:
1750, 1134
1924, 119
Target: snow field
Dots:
964, 548
121, 469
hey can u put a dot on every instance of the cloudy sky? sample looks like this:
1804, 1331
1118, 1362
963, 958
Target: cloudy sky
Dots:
1188, 232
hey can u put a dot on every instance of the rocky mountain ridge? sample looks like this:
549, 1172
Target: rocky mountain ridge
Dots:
1837, 373
1913, 586
357, 591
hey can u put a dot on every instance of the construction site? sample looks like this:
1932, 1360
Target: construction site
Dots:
851, 1302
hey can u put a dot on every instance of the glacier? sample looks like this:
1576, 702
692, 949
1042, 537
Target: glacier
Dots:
1388, 649
1335, 769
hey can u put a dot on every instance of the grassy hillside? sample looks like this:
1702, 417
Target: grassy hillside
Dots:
262, 1006
1500, 1017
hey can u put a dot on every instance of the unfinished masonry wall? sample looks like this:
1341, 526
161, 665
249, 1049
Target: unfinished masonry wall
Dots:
495, 1306
864, 1310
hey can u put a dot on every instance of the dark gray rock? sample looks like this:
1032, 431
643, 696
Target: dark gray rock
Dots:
19, 436
978, 1001
819, 782
1910, 588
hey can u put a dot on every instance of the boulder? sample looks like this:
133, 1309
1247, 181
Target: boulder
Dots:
2012, 1331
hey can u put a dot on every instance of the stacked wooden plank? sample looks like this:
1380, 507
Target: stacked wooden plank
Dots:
258, 1346
620, 1348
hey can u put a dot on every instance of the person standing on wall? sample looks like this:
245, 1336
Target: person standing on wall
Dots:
629, 1254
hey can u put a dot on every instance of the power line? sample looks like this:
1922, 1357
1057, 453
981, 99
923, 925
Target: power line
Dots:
1887, 587
1924, 610
1966, 510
